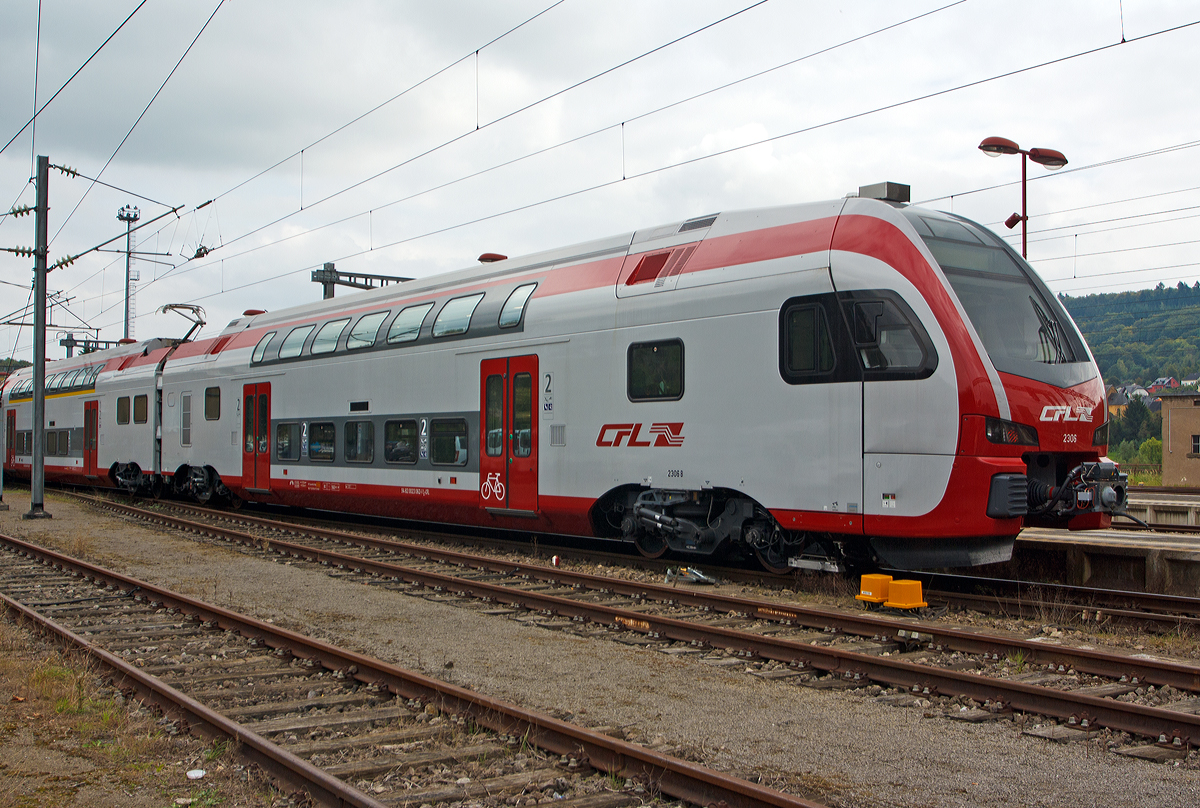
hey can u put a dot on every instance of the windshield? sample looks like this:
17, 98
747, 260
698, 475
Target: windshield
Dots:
1024, 329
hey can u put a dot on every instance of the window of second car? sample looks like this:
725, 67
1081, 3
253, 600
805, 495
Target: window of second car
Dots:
287, 442
321, 440
364, 331
51, 442
64, 442
261, 348
455, 316
448, 442
123, 410
407, 325
400, 441
327, 338
212, 403
360, 441
294, 342
514, 307
656, 371
141, 409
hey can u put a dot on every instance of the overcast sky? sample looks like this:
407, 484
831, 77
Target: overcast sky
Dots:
294, 117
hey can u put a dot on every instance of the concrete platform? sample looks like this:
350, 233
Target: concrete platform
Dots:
1158, 561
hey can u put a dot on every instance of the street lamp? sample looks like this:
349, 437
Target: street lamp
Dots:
1051, 159
128, 214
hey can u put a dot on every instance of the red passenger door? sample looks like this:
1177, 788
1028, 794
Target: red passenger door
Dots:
10, 439
91, 428
256, 437
508, 444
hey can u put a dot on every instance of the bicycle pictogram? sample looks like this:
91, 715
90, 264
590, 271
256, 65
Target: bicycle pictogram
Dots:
492, 486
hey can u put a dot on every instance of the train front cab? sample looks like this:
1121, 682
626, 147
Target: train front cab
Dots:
1053, 415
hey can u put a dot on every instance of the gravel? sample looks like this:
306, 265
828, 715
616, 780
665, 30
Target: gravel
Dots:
844, 748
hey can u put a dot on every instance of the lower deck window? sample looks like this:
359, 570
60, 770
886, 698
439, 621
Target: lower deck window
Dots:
287, 442
448, 442
141, 409
360, 441
321, 440
400, 441
64, 442
51, 443
123, 410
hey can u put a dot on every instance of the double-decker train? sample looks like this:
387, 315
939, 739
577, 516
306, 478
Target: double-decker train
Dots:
849, 380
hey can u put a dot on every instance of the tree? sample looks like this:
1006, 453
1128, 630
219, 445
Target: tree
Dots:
1150, 452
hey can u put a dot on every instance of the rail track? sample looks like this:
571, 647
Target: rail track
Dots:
346, 729
1082, 687
988, 595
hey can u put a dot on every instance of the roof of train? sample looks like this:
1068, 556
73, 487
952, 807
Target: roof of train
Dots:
612, 246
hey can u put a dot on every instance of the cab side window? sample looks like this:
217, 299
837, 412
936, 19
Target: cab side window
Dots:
888, 337
655, 371
808, 347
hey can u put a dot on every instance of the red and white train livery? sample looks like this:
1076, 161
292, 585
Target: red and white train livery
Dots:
855, 378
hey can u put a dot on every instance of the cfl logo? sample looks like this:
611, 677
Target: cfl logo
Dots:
629, 434
1061, 412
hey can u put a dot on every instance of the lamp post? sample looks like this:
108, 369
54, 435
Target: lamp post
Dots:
128, 214
1051, 159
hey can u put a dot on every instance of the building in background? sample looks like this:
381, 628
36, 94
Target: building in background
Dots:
1181, 437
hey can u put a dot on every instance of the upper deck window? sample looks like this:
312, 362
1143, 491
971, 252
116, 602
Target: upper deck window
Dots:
363, 333
407, 325
261, 348
294, 342
455, 316
514, 307
327, 338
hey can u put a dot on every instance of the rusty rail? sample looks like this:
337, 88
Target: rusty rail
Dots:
678, 778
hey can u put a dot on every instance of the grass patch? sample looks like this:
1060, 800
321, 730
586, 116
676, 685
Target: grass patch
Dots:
56, 713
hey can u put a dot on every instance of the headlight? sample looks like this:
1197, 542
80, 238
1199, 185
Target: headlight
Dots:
1100, 436
1007, 432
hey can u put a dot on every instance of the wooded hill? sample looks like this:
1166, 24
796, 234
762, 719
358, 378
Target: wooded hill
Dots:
1140, 336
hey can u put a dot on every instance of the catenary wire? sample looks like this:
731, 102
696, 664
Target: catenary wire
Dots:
892, 106
395, 97
73, 75
157, 92
538, 152
803, 130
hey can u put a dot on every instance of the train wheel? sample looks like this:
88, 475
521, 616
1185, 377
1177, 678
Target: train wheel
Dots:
773, 560
650, 546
